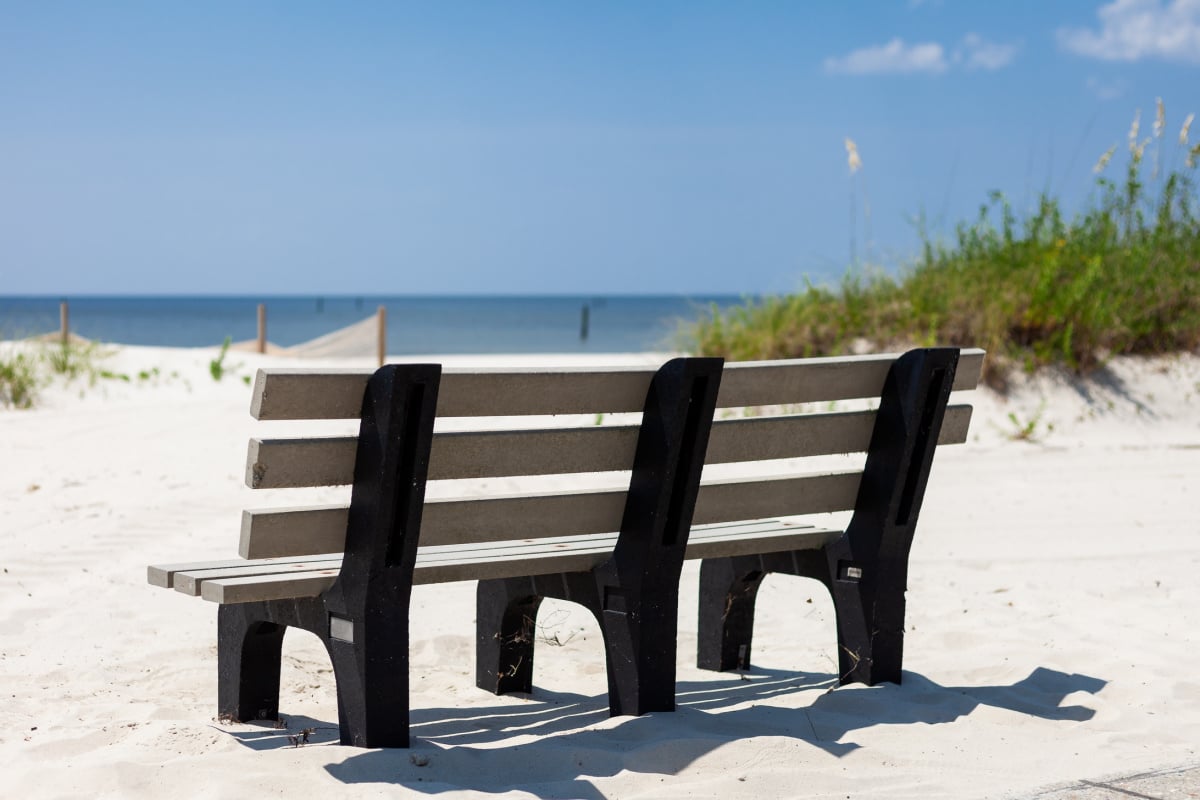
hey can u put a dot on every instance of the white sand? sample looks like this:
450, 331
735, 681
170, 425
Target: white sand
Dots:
1053, 609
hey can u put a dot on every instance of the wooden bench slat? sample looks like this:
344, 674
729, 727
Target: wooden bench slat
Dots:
704, 542
190, 581
322, 529
337, 394
329, 461
819, 380
753, 498
298, 531
271, 580
271, 587
164, 574
725, 529
310, 531
774, 437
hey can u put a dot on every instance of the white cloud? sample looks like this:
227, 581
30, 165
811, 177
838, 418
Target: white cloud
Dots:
976, 53
1110, 90
930, 58
893, 57
1131, 30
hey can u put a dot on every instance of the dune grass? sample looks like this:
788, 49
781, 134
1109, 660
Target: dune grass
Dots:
1121, 277
24, 371
26, 368
19, 380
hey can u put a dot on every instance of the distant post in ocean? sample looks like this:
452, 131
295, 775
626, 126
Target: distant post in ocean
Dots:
262, 327
64, 322
382, 343
583, 322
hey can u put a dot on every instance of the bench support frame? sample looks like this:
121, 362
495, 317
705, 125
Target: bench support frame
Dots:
363, 618
635, 594
866, 569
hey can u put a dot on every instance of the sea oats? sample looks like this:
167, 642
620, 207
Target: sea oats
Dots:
1133, 130
1183, 132
1104, 159
1160, 117
1138, 150
852, 156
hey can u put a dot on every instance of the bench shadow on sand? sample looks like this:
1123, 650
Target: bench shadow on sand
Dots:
464, 748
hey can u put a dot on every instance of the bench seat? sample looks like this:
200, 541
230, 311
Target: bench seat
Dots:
250, 580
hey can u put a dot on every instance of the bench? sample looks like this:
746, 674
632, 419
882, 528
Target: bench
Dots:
345, 572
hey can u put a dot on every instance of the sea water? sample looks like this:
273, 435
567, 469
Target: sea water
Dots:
524, 324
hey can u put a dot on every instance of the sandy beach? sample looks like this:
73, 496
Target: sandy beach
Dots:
1053, 614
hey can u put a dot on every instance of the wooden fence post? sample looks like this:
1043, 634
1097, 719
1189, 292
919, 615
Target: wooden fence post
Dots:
262, 327
382, 343
64, 322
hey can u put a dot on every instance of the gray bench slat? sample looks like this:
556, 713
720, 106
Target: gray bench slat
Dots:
315, 530
322, 529
260, 580
698, 533
329, 461
190, 581
753, 499
337, 394
269, 587
299, 530
164, 574
819, 380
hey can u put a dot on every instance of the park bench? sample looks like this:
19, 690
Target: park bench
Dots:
345, 572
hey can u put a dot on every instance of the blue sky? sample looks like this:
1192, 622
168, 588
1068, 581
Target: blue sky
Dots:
520, 147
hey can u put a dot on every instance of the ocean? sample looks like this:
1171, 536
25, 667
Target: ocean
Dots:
525, 324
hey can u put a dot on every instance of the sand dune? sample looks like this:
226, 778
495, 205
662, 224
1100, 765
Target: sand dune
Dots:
1053, 610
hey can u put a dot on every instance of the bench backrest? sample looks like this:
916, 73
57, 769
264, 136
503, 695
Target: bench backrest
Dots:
526, 448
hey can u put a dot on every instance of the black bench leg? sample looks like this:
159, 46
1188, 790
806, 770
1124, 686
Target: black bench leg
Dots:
725, 624
505, 619
372, 686
635, 593
640, 650
728, 592
639, 647
870, 621
249, 653
868, 566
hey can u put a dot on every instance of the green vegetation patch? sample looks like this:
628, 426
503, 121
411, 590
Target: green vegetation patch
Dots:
18, 380
1121, 278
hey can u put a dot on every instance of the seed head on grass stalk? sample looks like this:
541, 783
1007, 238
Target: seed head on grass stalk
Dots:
852, 159
855, 164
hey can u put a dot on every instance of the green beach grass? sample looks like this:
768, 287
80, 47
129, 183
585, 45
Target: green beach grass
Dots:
1122, 277
24, 371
